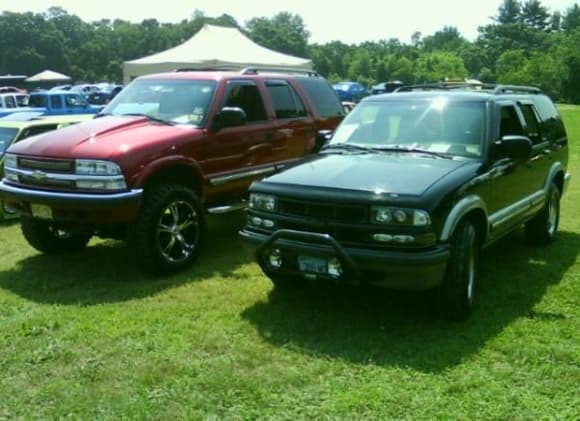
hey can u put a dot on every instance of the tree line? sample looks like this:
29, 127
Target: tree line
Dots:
522, 44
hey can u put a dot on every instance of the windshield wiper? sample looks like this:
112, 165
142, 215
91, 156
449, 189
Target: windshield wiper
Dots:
150, 118
412, 149
349, 147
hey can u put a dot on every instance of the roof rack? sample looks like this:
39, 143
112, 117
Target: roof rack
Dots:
472, 86
516, 89
250, 70
257, 70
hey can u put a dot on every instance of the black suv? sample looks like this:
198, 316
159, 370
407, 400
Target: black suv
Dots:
411, 186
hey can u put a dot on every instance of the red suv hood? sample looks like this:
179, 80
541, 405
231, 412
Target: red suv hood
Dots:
103, 138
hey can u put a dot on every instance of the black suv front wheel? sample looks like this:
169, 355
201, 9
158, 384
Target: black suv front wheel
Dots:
457, 292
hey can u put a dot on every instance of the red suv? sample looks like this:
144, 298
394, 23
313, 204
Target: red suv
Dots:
168, 148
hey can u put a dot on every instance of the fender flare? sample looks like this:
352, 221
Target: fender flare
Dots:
459, 210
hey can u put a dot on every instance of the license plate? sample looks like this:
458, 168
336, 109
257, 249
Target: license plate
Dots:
41, 211
312, 264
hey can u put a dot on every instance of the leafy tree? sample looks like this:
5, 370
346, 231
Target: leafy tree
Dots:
448, 39
400, 68
433, 67
284, 32
535, 15
360, 66
510, 67
508, 12
571, 19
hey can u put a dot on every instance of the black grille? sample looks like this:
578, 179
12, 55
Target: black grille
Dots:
337, 212
48, 165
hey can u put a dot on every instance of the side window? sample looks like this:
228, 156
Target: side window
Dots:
55, 101
10, 102
247, 97
72, 101
532, 129
510, 123
321, 96
551, 122
286, 102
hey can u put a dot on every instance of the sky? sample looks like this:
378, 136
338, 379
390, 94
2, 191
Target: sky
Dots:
349, 22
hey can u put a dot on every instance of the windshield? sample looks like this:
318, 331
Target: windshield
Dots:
7, 135
448, 127
172, 101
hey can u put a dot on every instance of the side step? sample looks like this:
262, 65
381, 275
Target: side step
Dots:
218, 210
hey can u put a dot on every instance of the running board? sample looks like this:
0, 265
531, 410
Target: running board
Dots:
218, 210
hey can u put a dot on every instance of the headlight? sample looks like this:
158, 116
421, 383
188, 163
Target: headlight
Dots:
263, 202
96, 167
386, 215
10, 161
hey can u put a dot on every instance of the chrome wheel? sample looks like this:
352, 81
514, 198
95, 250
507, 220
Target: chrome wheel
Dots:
178, 231
470, 272
553, 213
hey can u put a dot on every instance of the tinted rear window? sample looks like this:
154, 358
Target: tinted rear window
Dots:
551, 121
322, 96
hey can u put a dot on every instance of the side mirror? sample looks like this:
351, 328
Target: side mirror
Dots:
321, 139
514, 147
230, 117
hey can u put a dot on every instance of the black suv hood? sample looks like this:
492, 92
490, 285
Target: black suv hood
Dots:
398, 173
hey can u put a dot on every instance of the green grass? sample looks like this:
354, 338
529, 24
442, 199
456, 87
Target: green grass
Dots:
89, 337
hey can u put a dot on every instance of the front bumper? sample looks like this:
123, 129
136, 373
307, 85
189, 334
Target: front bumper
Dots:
414, 270
96, 208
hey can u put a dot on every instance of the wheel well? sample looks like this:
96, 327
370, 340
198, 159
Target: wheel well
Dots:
177, 174
559, 181
479, 220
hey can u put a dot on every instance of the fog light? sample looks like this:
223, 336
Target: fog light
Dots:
267, 223
334, 268
403, 239
275, 259
383, 238
256, 221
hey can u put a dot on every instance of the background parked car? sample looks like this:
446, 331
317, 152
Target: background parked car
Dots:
350, 91
16, 127
384, 87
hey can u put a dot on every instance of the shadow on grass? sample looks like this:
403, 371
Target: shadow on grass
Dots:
108, 272
374, 326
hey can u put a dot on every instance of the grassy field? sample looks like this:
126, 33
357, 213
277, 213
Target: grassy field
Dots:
89, 337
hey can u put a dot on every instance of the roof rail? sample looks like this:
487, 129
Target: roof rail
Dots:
516, 89
253, 70
446, 86
471, 86
256, 70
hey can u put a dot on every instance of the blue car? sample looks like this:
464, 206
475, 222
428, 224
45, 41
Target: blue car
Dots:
350, 91
55, 103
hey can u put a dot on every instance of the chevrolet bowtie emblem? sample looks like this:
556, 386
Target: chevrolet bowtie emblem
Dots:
38, 175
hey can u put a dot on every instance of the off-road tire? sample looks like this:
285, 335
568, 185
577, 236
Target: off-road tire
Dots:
541, 230
457, 292
170, 229
52, 238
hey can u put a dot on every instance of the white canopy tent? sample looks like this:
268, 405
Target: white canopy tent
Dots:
214, 47
49, 76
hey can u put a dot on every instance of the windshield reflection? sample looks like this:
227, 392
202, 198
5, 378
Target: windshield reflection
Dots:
455, 128
171, 101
